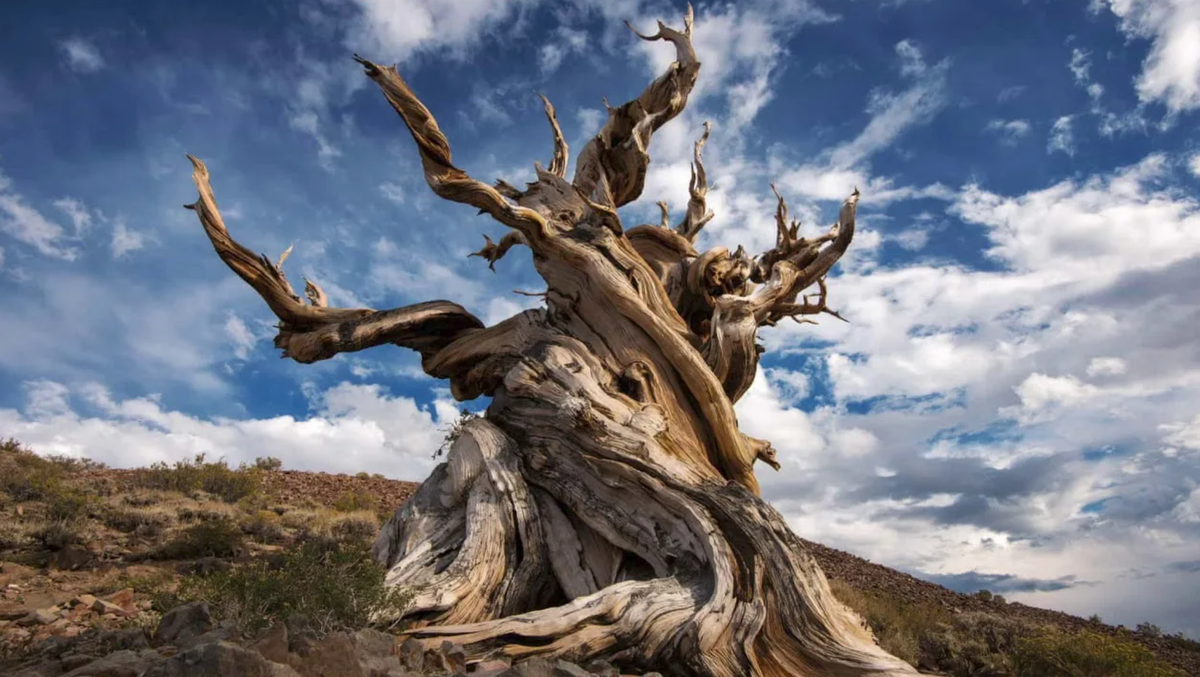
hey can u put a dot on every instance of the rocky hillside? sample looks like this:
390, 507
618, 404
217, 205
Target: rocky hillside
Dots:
101, 568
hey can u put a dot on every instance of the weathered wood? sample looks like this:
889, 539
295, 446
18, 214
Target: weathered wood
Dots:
606, 505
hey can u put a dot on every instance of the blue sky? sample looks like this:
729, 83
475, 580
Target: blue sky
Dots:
1014, 404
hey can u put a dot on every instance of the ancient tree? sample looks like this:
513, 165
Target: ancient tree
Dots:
606, 504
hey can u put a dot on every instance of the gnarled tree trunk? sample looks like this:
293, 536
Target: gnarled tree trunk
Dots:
606, 505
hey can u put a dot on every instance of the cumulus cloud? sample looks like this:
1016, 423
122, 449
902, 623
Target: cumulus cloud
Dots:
1171, 72
1062, 138
351, 428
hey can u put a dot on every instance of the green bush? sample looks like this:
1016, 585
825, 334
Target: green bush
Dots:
58, 534
198, 474
899, 627
1054, 653
214, 538
264, 525
267, 463
140, 521
354, 501
337, 586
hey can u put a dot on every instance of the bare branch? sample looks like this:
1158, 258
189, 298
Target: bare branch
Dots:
493, 252
308, 333
698, 214
443, 177
558, 166
612, 167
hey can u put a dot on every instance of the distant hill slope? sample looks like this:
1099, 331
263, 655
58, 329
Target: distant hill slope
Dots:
70, 528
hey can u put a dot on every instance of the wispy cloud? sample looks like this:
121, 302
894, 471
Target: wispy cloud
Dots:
81, 55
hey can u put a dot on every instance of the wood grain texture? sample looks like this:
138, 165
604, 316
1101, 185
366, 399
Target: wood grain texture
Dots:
606, 505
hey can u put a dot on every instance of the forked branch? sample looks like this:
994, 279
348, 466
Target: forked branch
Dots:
558, 166
698, 214
308, 333
447, 180
612, 166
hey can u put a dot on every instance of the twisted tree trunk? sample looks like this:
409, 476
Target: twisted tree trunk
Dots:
606, 505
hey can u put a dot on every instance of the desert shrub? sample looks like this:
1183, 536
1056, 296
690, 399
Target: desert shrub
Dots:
364, 475
899, 627
141, 521
198, 474
264, 525
985, 595
204, 512
67, 503
355, 526
1053, 653
1095, 618
12, 535
337, 586
214, 538
974, 645
454, 430
354, 501
58, 534
300, 518
1149, 629
267, 463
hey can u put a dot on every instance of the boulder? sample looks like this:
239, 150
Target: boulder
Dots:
183, 623
219, 659
565, 669
124, 663
39, 617
273, 643
331, 656
71, 558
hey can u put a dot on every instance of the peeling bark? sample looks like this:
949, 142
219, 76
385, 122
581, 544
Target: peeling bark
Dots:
606, 505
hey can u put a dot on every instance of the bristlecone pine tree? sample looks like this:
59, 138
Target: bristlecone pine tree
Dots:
606, 504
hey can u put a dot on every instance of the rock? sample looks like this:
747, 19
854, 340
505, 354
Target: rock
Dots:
273, 644
412, 655
39, 617
86, 601
122, 598
183, 622
534, 667
603, 668
565, 669
71, 558
219, 659
16, 570
491, 667
102, 607
376, 651
127, 639
71, 661
455, 657
119, 664
332, 656
205, 566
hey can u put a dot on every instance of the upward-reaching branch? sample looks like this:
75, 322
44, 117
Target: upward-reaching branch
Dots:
443, 177
308, 333
558, 166
612, 166
698, 214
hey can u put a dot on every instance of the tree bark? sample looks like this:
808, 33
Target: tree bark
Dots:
606, 505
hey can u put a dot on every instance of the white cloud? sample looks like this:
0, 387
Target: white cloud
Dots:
563, 42
28, 225
77, 212
892, 113
125, 240
1062, 139
1109, 123
241, 337
1194, 165
392, 191
82, 56
1010, 131
372, 431
1039, 392
1106, 366
1171, 71
395, 30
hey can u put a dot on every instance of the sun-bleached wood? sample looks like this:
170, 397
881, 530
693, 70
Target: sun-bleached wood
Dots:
606, 505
